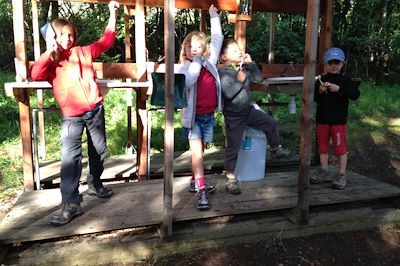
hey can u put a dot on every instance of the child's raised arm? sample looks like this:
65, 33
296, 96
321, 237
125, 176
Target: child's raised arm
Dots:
113, 7
216, 35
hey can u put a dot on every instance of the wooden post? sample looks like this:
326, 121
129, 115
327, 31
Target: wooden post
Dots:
22, 96
326, 30
128, 57
272, 24
325, 41
271, 54
240, 34
203, 23
39, 93
169, 47
306, 110
140, 45
240, 26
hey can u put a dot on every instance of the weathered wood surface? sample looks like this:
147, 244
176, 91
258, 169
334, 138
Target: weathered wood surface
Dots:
137, 204
123, 166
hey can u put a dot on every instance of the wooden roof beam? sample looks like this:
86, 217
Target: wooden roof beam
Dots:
287, 6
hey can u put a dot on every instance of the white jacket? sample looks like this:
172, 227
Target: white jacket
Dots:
192, 72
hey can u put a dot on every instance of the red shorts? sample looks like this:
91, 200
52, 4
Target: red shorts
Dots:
338, 135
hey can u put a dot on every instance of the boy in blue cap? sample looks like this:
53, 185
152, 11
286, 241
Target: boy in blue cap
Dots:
332, 93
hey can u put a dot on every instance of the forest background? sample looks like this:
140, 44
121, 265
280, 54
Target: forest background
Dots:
368, 31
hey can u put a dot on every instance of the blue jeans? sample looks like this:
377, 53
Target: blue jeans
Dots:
71, 152
203, 128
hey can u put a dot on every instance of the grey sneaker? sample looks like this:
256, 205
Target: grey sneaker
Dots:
102, 192
67, 212
202, 200
281, 153
232, 184
319, 176
340, 182
193, 188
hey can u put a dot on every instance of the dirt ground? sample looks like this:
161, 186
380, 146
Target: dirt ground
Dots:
373, 247
379, 246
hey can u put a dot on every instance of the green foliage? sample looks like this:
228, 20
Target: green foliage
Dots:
9, 116
10, 154
368, 32
371, 40
375, 115
6, 30
384, 97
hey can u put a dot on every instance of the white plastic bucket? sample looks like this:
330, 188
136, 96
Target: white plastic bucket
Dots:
251, 161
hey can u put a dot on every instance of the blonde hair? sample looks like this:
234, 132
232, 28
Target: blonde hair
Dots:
198, 35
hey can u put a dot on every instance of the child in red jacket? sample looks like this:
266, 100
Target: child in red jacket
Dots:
69, 68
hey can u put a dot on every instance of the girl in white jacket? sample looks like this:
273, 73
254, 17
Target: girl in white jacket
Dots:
203, 91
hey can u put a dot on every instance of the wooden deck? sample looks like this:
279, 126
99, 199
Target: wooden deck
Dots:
136, 204
124, 166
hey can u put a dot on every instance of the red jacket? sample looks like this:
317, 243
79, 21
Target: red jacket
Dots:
73, 77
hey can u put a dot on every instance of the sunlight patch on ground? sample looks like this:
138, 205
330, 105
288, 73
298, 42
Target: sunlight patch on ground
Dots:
378, 139
371, 122
394, 124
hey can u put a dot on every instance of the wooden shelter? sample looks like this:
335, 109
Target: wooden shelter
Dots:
318, 31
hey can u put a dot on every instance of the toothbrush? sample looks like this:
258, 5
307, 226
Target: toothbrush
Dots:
320, 81
241, 64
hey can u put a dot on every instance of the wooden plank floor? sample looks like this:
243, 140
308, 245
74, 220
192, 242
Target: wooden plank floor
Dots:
123, 166
140, 203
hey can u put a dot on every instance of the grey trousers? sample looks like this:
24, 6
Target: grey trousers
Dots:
235, 126
71, 153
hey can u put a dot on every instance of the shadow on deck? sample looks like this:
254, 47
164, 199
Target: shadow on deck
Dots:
137, 204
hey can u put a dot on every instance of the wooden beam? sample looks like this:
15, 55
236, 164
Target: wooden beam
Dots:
310, 56
272, 26
282, 70
128, 57
326, 31
116, 70
240, 34
287, 6
203, 20
22, 96
113, 70
140, 53
39, 93
169, 48
240, 29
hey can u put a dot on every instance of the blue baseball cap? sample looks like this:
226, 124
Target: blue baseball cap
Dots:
334, 53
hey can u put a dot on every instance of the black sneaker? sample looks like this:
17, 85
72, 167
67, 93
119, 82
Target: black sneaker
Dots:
102, 192
67, 212
193, 188
202, 202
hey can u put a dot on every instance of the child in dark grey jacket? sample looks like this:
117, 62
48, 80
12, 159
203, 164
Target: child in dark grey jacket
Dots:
236, 74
